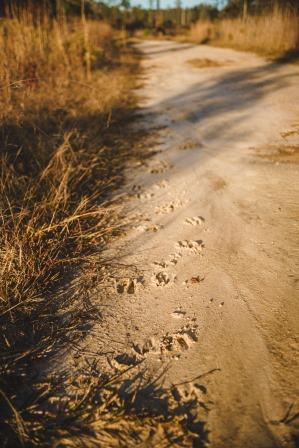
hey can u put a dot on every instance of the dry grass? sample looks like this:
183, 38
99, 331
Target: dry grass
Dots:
274, 34
64, 142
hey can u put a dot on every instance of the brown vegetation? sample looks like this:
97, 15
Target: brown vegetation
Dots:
274, 34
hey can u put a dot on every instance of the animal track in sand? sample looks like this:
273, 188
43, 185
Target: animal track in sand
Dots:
160, 167
195, 221
194, 280
154, 228
143, 196
126, 359
168, 208
173, 343
173, 260
217, 182
190, 391
163, 278
161, 264
136, 187
149, 228
162, 184
181, 340
129, 285
178, 313
194, 246
191, 144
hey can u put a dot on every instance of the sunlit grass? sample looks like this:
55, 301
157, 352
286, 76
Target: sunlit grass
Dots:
274, 34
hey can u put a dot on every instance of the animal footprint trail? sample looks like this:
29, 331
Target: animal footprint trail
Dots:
160, 167
129, 285
163, 184
191, 144
194, 280
194, 246
191, 391
144, 196
179, 342
168, 208
149, 228
178, 314
163, 278
124, 359
195, 221
170, 343
172, 260
161, 264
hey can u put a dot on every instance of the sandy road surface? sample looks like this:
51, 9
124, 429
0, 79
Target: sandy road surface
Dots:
216, 242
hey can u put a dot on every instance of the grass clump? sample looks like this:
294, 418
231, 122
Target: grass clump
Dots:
274, 34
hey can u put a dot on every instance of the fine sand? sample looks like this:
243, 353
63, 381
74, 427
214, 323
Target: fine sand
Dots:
212, 251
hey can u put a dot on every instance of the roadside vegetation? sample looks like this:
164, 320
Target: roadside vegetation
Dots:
273, 33
66, 104
268, 27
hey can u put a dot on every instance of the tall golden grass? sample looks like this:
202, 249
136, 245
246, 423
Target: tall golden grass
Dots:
51, 54
274, 33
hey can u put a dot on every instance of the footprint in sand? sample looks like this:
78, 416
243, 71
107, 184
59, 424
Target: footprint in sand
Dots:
184, 338
162, 184
190, 391
144, 196
181, 340
178, 313
172, 260
154, 228
161, 264
149, 228
128, 285
170, 344
168, 208
191, 144
163, 279
124, 359
160, 167
195, 221
194, 246
194, 280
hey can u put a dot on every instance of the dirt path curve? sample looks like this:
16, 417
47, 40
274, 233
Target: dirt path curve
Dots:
216, 241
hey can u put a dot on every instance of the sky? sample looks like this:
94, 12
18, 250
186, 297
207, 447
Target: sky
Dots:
166, 3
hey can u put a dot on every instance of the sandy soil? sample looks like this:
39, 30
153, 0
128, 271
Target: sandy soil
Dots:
215, 245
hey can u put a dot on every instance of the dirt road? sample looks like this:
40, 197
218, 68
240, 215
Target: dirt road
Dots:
216, 242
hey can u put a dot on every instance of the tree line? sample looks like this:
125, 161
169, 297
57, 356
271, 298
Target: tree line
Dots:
120, 14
